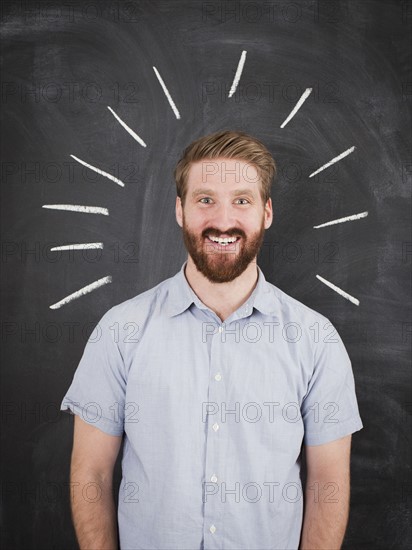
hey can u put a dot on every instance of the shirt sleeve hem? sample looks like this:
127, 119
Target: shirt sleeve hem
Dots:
101, 423
340, 431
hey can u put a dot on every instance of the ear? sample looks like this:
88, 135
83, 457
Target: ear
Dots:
268, 214
179, 212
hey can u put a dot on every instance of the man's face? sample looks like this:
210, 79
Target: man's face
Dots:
223, 201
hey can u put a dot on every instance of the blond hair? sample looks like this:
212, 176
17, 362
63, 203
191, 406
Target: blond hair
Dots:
231, 145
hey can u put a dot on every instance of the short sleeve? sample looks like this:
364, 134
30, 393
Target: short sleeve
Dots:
329, 408
97, 392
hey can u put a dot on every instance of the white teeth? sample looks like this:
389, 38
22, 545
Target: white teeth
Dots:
223, 241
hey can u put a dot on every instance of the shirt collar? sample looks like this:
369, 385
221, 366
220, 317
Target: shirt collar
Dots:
182, 296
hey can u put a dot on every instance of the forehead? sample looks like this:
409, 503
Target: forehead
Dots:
223, 170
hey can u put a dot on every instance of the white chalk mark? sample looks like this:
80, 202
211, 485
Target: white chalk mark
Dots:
82, 292
126, 127
101, 172
78, 208
80, 246
336, 159
342, 220
339, 290
166, 91
238, 73
298, 105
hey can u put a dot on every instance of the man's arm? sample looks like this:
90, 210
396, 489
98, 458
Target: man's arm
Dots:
326, 495
93, 458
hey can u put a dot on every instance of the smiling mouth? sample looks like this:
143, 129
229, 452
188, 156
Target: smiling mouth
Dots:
222, 243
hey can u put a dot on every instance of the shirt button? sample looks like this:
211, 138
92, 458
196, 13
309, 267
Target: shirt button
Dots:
213, 479
220, 328
212, 529
218, 377
215, 426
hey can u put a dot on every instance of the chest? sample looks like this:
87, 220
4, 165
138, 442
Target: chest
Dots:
185, 362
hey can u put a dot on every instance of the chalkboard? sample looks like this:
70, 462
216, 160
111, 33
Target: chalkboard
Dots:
122, 88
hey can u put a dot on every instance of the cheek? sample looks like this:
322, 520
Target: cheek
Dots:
252, 220
193, 224
196, 220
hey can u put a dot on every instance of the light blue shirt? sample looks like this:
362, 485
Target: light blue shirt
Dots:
214, 414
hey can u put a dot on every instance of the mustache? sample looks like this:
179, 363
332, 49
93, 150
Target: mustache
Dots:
216, 233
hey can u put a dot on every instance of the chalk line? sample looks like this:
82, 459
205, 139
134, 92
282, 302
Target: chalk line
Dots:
126, 127
339, 290
79, 293
78, 208
166, 91
101, 172
238, 73
298, 105
342, 220
336, 159
80, 246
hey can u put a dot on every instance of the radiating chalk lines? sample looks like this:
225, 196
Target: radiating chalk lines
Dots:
127, 128
101, 172
80, 246
335, 159
238, 73
166, 92
339, 290
78, 208
105, 212
341, 220
298, 105
82, 292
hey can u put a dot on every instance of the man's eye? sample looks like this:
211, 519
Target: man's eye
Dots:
205, 199
243, 200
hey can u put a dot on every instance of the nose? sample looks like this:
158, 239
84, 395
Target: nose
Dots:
224, 217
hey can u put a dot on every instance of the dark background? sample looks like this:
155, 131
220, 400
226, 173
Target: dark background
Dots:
63, 63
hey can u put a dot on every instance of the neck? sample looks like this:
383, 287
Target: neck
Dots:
222, 298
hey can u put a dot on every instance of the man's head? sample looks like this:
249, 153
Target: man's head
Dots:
230, 145
223, 185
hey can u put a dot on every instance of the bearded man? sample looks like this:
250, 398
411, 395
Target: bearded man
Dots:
216, 381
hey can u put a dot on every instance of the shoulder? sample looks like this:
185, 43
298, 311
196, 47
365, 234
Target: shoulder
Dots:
300, 324
292, 310
142, 305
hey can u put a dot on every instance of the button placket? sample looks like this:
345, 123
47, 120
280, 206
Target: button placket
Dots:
215, 437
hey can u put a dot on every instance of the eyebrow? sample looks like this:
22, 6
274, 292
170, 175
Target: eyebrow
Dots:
235, 193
